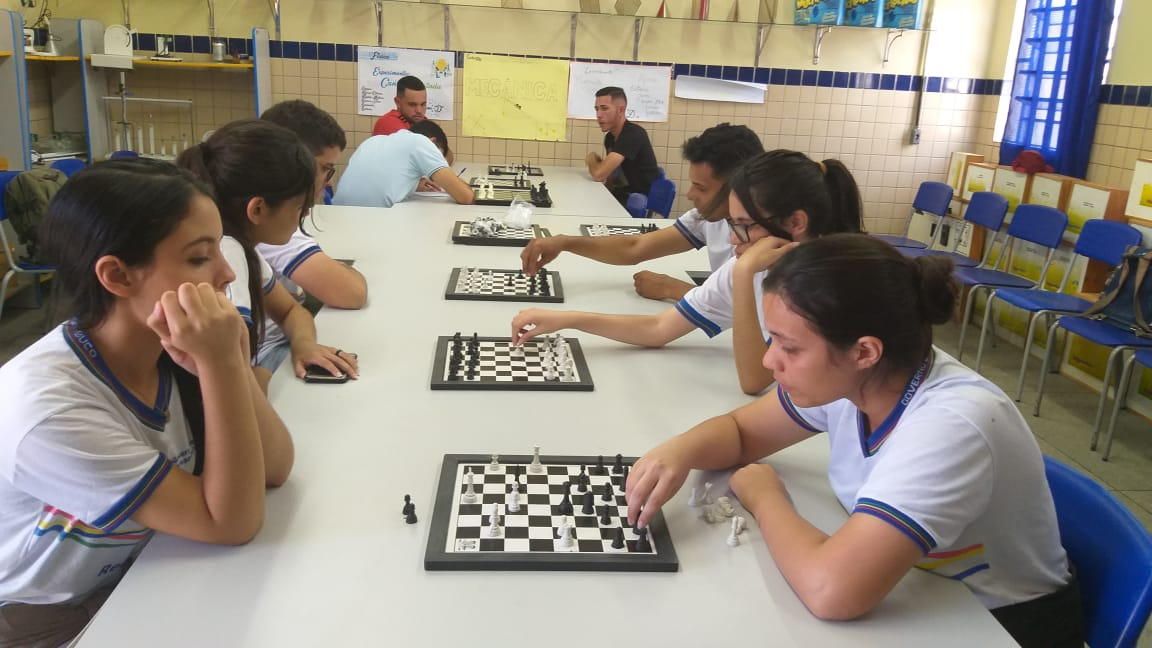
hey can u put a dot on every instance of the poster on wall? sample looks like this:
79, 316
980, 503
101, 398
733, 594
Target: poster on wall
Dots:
515, 97
379, 68
646, 86
708, 89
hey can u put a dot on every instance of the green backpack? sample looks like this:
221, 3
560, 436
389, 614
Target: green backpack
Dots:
26, 201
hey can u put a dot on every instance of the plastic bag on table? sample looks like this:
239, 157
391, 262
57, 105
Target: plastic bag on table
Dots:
519, 214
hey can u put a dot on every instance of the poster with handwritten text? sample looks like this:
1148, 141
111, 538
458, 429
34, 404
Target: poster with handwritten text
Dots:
646, 86
515, 97
379, 68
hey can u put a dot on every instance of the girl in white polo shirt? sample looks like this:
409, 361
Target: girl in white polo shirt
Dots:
934, 462
140, 413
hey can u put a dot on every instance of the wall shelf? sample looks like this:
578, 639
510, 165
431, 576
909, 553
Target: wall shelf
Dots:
5, 54
191, 65
50, 59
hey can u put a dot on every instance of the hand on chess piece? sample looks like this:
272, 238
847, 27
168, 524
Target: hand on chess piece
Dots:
531, 322
652, 285
654, 479
540, 252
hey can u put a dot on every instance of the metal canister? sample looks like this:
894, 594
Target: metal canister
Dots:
218, 51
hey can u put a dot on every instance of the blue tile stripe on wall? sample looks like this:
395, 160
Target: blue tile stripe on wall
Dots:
1120, 95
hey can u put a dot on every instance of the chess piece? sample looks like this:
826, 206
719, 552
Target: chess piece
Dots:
693, 501
618, 467
642, 543
407, 505
618, 539
470, 492
724, 505
706, 496
565, 533
494, 465
608, 495
582, 480
605, 516
589, 507
514, 500
738, 524
535, 466
734, 536
598, 469
494, 521
411, 517
566, 505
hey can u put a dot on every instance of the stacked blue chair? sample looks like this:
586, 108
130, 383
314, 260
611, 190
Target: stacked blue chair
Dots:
1037, 224
985, 209
1099, 240
1111, 551
68, 166
637, 205
15, 266
661, 196
123, 154
931, 198
1142, 358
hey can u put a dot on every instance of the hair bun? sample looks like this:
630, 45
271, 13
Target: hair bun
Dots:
938, 290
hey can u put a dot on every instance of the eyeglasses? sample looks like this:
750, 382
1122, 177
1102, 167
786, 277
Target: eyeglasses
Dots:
329, 171
740, 230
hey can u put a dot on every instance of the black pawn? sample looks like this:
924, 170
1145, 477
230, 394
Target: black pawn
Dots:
608, 495
582, 480
566, 505
598, 469
605, 516
624, 478
618, 540
618, 467
589, 503
407, 505
642, 544
567, 489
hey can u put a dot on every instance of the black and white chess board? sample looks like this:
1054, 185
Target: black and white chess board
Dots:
501, 182
616, 230
487, 284
545, 363
537, 195
514, 169
508, 236
698, 276
461, 538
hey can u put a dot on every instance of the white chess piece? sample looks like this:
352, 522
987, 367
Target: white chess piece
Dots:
738, 524
709, 514
724, 505
494, 521
693, 501
514, 499
734, 536
706, 496
565, 532
470, 494
535, 466
495, 463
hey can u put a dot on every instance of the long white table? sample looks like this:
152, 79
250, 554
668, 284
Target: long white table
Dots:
335, 564
573, 192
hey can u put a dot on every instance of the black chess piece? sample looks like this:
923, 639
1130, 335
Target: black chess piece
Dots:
567, 489
624, 477
598, 469
582, 480
589, 503
642, 544
407, 505
618, 467
566, 505
609, 494
411, 517
605, 516
618, 540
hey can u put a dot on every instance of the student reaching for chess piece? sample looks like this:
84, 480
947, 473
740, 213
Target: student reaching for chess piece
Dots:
778, 199
935, 463
712, 158
138, 414
264, 182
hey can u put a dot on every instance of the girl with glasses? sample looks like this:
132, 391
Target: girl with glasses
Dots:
778, 198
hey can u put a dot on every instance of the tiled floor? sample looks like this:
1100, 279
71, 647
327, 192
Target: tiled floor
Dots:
1062, 429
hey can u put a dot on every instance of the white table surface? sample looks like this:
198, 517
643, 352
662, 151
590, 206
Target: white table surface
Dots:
335, 564
573, 192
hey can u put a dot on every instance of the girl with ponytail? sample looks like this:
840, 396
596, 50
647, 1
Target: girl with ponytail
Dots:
934, 463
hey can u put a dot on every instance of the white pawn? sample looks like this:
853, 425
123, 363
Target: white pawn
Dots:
565, 533
738, 524
514, 498
494, 521
494, 465
734, 537
535, 466
693, 502
470, 494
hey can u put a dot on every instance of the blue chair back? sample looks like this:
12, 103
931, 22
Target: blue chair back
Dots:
661, 196
123, 154
637, 205
1105, 240
1039, 224
933, 198
1112, 552
987, 209
328, 193
68, 166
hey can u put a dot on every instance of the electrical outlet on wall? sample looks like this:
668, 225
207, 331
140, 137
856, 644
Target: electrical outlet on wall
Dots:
914, 138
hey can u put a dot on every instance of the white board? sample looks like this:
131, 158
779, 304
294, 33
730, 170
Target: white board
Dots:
646, 86
706, 89
379, 68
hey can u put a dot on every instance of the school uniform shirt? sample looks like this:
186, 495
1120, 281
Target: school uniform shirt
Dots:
286, 259
241, 297
389, 123
386, 169
716, 236
709, 305
79, 454
957, 470
639, 165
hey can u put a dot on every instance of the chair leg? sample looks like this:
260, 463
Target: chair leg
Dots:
1114, 359
1121, 387
1044, 368
1031, 331
4, 288
988, 318
968, 305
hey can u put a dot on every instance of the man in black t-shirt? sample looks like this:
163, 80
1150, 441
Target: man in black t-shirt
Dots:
629, 165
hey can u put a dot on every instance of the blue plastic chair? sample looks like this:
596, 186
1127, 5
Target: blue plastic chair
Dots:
1100, 240
1033, 223
931, 198
1143, 358
661, 196
637, 205
123, 154
985, 209
15, 266
1112, 553
69, 166
328, 195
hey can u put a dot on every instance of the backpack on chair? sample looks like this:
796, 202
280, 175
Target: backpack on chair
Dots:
26, 201
1127, 297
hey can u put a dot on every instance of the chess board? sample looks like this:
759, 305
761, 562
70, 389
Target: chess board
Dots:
458, 538
615, 230
500, 182
504, 197
501, 367
486, 284
698, 276
509, 236
514, 169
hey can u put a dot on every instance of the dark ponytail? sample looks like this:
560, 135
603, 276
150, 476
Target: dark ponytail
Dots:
774, 185
847, 211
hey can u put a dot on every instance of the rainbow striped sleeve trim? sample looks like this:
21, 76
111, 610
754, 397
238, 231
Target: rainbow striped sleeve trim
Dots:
246, 314
686, 233
123, 509
792, 412
710, 328
269, 285
295, 263
963, 559
69, 527
903, 523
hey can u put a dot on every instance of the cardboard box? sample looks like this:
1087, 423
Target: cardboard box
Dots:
904, 14
958, 168
819, 12
1050, 190
979, 177
1139, 202
865, 13
1011, 184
